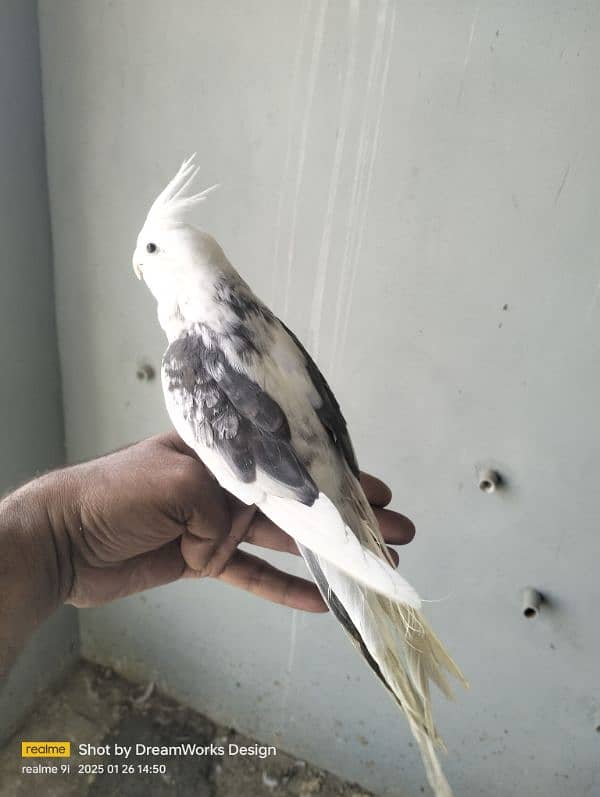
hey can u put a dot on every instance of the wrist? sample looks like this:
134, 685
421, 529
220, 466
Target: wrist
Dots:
36, 546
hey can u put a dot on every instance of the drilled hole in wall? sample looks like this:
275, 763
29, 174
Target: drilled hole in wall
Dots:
145, 373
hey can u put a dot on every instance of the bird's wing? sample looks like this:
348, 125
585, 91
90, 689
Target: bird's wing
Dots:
329, 412
232, 415
272, 440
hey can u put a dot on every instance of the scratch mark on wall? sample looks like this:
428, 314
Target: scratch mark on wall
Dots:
358, 178
325, 247
369, 176
562, 183
312, 79
275, 272
467, 56
289, 668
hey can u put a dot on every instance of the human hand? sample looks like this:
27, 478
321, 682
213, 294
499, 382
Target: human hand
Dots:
152, 513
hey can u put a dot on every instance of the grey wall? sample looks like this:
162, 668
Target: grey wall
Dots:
30, 405
428, 174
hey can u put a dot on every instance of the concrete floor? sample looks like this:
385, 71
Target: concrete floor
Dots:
97, 707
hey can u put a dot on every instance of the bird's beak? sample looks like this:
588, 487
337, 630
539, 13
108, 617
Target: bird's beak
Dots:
138, 270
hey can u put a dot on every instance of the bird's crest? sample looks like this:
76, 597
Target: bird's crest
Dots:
171, 205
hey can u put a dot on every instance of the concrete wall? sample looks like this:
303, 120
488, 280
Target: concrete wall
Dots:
30, 406
415, 187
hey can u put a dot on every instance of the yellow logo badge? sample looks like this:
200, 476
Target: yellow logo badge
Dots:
45, 749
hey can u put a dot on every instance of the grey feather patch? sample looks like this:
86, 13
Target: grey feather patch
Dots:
244, 309
233, 414
240, 299
329, 413
256, 404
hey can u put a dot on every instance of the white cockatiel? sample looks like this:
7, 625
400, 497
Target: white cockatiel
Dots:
245, 395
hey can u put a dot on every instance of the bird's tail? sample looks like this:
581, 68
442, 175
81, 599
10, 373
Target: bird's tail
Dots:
395, 640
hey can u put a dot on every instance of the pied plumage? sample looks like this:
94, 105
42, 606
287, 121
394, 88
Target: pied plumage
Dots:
246, 396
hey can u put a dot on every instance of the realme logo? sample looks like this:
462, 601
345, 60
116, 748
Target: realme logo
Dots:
45, 749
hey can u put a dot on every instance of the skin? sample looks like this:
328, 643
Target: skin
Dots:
135, 519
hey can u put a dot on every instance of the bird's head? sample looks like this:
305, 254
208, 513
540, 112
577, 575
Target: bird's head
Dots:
172, 255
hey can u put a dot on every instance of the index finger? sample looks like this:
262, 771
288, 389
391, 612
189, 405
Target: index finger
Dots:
255, 575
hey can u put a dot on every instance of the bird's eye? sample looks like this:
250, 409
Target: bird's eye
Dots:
151, 248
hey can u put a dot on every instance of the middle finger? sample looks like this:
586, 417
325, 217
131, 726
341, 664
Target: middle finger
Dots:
396, 529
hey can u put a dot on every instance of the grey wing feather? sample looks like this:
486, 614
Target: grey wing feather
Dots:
329, 413
235, 415
255, 403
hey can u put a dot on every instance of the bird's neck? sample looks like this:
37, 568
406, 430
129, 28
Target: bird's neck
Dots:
194, 307
172, 320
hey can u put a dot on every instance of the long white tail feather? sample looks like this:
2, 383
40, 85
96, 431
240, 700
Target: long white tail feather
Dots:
407, 655
394, 638
433, 770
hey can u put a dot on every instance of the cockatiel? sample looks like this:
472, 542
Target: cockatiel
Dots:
246, 396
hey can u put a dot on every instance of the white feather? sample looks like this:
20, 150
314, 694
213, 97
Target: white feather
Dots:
171, 205
320, 528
